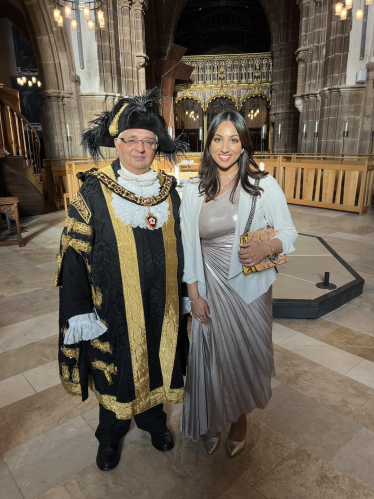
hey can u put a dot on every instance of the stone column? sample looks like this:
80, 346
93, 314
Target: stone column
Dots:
367, 138
53, 131
126, 47
139, 7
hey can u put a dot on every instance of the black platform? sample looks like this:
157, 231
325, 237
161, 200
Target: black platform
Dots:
295, 294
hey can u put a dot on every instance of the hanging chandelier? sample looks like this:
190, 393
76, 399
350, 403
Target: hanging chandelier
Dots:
28, 78
68, 8
341, 9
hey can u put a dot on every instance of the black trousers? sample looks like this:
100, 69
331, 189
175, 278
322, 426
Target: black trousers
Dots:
111, 429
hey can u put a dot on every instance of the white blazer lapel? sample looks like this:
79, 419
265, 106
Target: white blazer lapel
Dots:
245, 201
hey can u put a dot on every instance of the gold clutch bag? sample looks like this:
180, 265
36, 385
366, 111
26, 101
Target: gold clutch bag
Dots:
260, 236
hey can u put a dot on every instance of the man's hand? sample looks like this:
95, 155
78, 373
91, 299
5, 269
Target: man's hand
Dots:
253, 253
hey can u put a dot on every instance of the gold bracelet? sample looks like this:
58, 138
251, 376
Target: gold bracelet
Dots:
271, 248
192, 302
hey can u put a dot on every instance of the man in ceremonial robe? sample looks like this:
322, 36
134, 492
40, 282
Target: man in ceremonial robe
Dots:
119, 271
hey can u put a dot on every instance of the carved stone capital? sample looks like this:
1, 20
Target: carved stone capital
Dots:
302, 55
370, 66
126, 4
141, 61
140, 5
299, 104
301, 2
51, 95
283, 49
75, 78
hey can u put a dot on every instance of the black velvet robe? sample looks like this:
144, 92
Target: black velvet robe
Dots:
132, 277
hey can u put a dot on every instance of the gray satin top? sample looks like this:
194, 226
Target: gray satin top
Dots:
219, 217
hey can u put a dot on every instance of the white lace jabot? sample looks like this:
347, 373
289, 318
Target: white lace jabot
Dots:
145, 185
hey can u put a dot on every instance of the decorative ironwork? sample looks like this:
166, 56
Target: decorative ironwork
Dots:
236, 77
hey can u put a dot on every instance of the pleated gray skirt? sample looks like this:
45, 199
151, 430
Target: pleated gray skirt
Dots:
230, 362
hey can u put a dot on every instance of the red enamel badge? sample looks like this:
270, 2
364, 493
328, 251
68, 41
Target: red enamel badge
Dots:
151, 221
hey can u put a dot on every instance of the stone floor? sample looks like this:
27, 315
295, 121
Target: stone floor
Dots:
314, 441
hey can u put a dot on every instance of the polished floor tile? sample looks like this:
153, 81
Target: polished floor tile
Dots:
241, 490
313, 426
363, 373
28, 357
332, 389
303, 476
46, 460
28, 331
8, 488
320, 352
27, 418
44, 377
281, 333
14, 389
356, 458
316, 328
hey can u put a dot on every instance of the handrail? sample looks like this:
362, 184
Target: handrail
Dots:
13, 139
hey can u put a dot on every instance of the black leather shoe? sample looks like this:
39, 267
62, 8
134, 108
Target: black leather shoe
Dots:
107, 457
162, 440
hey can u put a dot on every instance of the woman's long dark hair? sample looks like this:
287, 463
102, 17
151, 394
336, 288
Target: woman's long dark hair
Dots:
209, 184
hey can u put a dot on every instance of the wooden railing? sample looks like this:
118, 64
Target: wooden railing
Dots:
337, 182
17, 136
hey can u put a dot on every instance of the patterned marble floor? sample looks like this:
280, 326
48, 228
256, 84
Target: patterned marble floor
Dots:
314, 441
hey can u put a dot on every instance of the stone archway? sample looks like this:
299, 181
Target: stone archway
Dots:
60, 96
283, 17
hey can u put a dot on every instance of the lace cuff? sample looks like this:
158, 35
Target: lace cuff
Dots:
83, 328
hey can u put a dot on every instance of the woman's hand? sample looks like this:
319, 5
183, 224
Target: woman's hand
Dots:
253, 253
200, 311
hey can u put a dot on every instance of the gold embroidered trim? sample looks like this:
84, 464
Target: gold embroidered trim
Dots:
64, 330
77, 244
65, 371
107, 178
108, 370
104, 322
76, 226
104, 347
80, 204
170, 325
71, 353
113, 128
75, 375
97, 296
130, 409
128, 261
71, 388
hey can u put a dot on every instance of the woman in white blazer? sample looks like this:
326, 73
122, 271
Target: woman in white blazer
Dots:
231, 352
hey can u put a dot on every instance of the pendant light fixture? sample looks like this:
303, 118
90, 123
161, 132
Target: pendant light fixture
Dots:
343, 14
87, 6
338, 8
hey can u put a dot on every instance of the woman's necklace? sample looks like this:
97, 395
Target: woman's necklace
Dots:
230, 176
227, 185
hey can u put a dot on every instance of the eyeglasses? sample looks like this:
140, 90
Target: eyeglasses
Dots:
147, 143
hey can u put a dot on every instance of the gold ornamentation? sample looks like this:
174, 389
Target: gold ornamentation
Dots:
104, 347
76, 226
76, 244
71, 388
108, 370
75, 375
70, 353
106, 178
65, 371
113, 129
170, 325
64, 330
128, 260
80, 204
144, 398
104, 322
128, 410
97, 296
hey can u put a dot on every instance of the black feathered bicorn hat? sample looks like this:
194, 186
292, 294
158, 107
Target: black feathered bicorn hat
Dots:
132, 112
